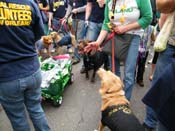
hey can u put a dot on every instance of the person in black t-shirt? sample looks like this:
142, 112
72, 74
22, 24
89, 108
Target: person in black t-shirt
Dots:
20, 75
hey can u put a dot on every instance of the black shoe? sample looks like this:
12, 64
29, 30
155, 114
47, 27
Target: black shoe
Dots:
140, 83
82, 70
147, 128
75, 61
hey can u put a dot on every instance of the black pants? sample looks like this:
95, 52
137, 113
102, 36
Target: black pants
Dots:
141, 67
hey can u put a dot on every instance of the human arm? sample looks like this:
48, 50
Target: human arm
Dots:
41, 7
50, 13
69, 9
96, 44
165, 6
38, 28
79, 9
162, 19
88, 10
50, 19
125, 28
145, 13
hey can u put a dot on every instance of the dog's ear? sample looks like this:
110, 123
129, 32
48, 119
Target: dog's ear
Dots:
53, 34
103, 89
109, 81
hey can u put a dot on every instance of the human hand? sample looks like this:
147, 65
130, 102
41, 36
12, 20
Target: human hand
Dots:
49, 24
63, 20
92, 46
40, 6
120, 29
75, 11
86, 23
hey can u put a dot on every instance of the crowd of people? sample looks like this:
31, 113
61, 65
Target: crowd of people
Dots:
95, 21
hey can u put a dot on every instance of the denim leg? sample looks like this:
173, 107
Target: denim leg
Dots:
33, 102
130, 66
12, 100
79, 28
55, 24
21, 93
151, 118
93, 31
161, 127
117, 65
141, 67
162, 61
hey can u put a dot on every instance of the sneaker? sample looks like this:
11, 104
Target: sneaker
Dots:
75, 61
82, 70
150, 61
140, 83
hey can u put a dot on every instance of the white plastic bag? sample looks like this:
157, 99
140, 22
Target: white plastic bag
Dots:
163, 36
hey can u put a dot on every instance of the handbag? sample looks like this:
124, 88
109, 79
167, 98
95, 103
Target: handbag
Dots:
163, 36
122, 43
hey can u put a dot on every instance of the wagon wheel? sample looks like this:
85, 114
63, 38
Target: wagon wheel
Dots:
71, 80
57, 103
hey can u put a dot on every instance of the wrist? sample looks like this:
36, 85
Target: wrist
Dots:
77, 10
86, 19
97, 44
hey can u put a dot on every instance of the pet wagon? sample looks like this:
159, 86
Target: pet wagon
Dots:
56, 75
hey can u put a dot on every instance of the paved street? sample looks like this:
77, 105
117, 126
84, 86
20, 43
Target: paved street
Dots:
80, 110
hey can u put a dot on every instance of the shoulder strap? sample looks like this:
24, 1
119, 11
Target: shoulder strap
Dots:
113, 8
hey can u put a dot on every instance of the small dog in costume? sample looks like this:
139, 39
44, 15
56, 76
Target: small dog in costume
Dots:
44, 43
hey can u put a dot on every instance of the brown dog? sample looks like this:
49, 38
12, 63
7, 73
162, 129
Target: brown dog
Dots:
93, 59
60, 41
57, 38
44, 43
116, 113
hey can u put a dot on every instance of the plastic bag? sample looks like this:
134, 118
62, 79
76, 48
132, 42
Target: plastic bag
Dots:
163, 36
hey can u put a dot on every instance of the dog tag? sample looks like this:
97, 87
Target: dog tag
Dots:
74, 3
54, 9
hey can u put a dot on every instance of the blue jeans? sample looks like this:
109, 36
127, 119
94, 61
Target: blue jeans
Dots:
130, 66
161, 127
79, 28
21, 94
163, 60
93, 31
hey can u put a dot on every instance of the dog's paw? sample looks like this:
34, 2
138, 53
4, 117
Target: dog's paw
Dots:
95, 130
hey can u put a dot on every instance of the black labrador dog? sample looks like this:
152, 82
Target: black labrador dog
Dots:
92, 59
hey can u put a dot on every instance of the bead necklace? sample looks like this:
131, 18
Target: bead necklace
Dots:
122, 8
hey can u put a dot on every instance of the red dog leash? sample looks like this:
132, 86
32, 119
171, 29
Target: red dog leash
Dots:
111, 37
95, 48
113, 54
